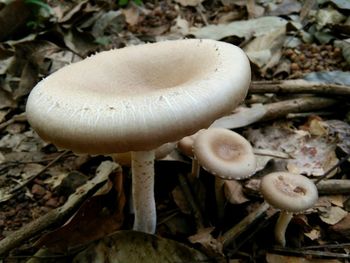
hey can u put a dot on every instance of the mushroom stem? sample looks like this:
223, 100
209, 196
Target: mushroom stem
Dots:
220, 198
195, 169
142, 167
281, 227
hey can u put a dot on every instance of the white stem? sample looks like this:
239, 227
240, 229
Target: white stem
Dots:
142, 167
220, 197
281, 227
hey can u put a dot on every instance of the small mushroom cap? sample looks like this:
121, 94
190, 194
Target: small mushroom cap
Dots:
224, 153
289, 192
140, 97
185, 145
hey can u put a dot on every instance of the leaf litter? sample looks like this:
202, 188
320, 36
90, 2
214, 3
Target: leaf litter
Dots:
284, 40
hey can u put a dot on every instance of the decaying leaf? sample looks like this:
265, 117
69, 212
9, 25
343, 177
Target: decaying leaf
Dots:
234, 192
132, 246
189, 2
311, 155
332, 215
204, 237
242, 29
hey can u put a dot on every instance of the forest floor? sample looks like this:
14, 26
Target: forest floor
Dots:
296, 116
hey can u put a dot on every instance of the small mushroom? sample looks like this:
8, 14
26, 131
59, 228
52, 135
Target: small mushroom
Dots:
225, 154
292, 193
137, 98
185, 146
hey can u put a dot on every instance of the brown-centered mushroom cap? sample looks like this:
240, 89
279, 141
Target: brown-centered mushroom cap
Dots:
224, 153
138, 98
289, 192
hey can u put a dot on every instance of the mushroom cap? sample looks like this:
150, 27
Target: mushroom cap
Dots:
185, 145
140, 97
159, 153
224, 153
289, 192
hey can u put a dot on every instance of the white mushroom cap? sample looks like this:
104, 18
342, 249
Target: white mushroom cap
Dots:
159, 153
138, 98
289, 192
224, 153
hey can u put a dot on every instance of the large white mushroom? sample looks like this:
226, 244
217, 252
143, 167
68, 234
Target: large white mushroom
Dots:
136, 99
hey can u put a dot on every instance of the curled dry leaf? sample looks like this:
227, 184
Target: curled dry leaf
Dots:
189, 2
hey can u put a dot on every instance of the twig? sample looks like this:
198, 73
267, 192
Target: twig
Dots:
341, 161
60, 214
186, 190
334, 186
282, 108
18, 187
18, 117
302, 252
239, 228
298, 86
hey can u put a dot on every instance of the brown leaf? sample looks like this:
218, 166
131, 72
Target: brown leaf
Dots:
274, 258
97, 217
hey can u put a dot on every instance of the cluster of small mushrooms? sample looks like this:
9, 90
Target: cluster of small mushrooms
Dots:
132, 102
229, 156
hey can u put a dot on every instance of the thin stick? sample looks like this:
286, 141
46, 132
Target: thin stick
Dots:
239, 228
18, 187
298, 86
302, 252
282, 108
343, 160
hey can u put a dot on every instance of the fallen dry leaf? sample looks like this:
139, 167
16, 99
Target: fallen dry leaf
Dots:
234, 192
332, 215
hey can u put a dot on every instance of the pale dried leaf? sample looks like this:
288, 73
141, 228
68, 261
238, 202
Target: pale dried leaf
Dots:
242, 29
241, 117
332, 215
189, 2
313, 234
234, 192
204, 237
132, 14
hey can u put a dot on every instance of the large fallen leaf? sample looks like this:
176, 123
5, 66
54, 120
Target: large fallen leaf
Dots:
263, 49
97, 217
311, 155
241, 117
132, 246
242, 29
